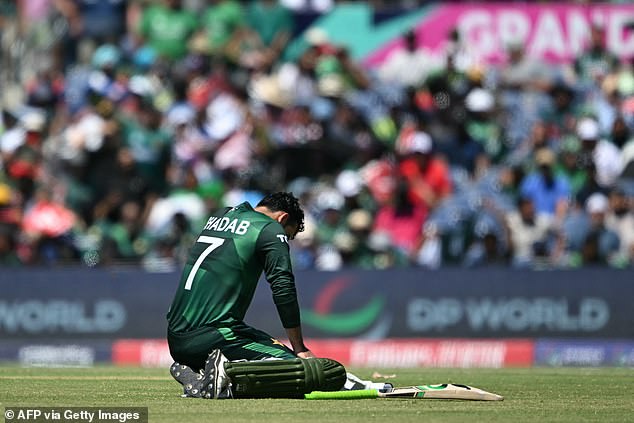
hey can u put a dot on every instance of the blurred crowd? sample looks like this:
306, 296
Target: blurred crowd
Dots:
124, 123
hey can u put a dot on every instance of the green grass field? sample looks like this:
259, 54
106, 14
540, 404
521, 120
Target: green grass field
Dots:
542, 394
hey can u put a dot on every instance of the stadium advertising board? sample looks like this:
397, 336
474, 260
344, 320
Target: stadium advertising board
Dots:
584, 353
369, 305
426, 352
450, 353
401, 353
552, 31
71, 353
467, 304
83, 304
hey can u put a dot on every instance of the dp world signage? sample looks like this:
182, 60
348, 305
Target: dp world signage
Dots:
512, 314
472, 304
102, 304
64, 304
51, 316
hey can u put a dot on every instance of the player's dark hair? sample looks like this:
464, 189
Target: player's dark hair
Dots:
286, 202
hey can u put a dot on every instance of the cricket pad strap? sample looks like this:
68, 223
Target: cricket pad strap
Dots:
291, 378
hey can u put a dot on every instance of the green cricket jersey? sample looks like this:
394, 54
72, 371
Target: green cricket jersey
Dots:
223, 268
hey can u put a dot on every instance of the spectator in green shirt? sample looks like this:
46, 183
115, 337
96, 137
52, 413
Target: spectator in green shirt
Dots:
569, 165
220, 19
167, 27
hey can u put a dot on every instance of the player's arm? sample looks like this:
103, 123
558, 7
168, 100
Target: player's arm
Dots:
274, 251
297, 342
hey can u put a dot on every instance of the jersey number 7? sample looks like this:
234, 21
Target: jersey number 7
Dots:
214, 242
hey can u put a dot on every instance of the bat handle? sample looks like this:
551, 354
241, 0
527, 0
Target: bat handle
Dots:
357, 394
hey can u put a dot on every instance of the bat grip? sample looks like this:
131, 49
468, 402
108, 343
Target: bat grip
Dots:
357, 394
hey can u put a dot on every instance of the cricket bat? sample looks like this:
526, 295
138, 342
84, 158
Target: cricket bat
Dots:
442, 391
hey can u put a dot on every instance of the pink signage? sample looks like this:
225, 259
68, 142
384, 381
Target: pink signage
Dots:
426, 352
554, 32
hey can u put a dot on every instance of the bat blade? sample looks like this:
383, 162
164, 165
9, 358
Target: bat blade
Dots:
442, 391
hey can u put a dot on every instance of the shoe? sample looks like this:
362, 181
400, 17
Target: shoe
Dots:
191, 380
215, 382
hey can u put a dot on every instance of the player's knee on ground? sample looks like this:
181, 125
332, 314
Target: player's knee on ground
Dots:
290, 378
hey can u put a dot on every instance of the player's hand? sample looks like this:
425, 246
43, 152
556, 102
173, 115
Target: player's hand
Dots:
306, 354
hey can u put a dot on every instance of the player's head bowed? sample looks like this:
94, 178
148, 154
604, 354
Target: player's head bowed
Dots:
286, 202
